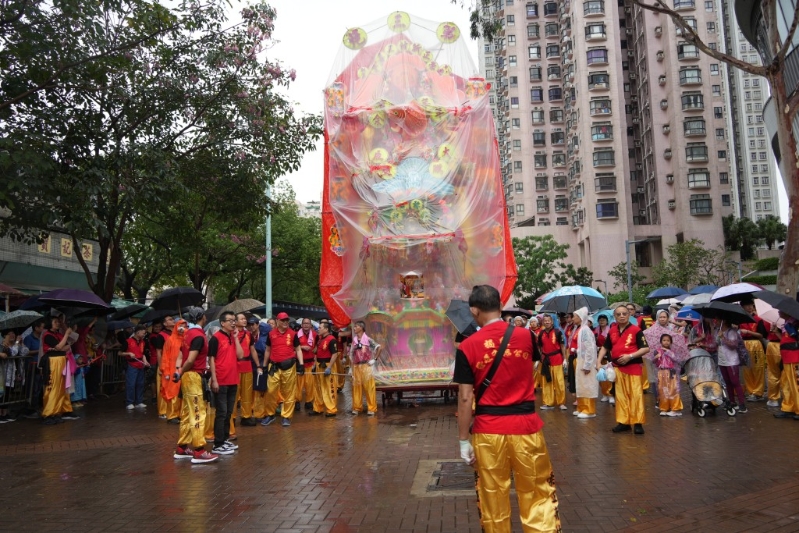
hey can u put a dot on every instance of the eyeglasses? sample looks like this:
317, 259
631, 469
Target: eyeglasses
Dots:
229, 320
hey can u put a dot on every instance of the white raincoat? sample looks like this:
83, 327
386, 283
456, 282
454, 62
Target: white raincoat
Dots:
587, 385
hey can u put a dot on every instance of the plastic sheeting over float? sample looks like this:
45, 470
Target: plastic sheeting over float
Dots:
413, 213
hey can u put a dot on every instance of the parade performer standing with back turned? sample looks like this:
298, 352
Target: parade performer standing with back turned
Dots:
627, 345
363, 353
325, 385
506, 436
284, 359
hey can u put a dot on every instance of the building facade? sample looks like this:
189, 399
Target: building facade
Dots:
611, 127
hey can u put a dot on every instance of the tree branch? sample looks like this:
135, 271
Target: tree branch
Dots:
694, 38
15, 18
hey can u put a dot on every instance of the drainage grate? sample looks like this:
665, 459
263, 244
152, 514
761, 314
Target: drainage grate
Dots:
455, 475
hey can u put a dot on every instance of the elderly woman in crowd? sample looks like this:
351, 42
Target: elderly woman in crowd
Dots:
583, 345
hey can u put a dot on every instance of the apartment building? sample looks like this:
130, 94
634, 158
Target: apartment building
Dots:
610, 127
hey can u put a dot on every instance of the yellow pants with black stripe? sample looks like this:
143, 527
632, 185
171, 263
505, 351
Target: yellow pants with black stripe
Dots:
325, 394
283, 382
244, 399
754, 376
527, 457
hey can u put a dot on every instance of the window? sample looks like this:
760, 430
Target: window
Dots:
725, 200
605, 183
550, 8
511, 40
698, 178
717, 112
762, 156
558, 159
510, 210
605, 157
562, 221
557, 137
600, 107
720, 134
683, 4
517, 145
711, 27
599, 80
542, 183
607, 209
765, 180
516, 123
716, 90
594, 7
553, 50
561, 204
532, 31
536, 95
724, 178
542, 205
553, 72
767, 206
538, 117
709, 5
560, 183
766, 193
601, 131
543, 221
722, 155
540, 161
514, 102
534, 52
690, 76
532, 10
595, 31
687, 51
696, 152
756, 193
714, 69
520, 210
597, 56
539, 138
514, 81
511, 20
535, 73
694, 126
701, 204
555, 94
551, 29
511, 61
760, 131
692, 101
517, 166
758, 206
556, 116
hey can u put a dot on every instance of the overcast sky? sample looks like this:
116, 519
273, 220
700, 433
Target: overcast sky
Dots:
309, 34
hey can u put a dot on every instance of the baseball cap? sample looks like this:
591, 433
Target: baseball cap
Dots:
282, 316
252, 320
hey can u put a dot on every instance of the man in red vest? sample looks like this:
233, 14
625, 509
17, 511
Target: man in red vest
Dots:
245, 395
325, 385
789, 380
627, 345
553, 351
284, 359
189, 370
308, 339
224, 353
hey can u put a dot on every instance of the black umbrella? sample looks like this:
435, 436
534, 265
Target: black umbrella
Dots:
119, 324
33, 304
732, 313
176, 298
127, 312
461, 317
74, 298
786, 304
18, 319
156, 315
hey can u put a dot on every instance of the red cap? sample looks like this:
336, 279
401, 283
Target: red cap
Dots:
282, 316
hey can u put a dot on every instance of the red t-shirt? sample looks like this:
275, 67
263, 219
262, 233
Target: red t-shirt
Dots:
195, 340
244, 366
283, 345
550, 343
512, 383
222, 348
137, 348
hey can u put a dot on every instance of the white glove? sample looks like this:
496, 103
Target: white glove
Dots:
371, 362
467, 452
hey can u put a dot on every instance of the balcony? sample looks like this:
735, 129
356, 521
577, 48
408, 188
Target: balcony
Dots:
595, 33
594, 8
550, 9
684, 5
603, 184
600, 108
690, 77
694, 128
542, 206
604, 159
701, 205
607, 209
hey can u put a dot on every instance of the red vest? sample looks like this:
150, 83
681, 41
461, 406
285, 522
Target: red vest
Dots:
323, 354
307, 356
137, 349
551, 346
789, 349
282, 345
245, 365
226, 362
201, 361
624, 343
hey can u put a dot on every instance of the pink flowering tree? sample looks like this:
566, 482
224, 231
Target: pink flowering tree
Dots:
125, 112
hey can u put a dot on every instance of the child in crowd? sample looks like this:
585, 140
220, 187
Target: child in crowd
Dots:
668, 384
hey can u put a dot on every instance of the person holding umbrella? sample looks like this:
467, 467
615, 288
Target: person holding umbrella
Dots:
729, 341
53, 363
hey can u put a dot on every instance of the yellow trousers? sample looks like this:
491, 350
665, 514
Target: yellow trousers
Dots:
244, 399
605, 387
586, 405
325, 394
754, 381
168, 408
554, 392
527, 457
56, 397
644, 378
773, 359
284, 382
160, 401
363, 383
669, 391
339, 368
789, 384
209, 421
629, 399
193, 412
305, 382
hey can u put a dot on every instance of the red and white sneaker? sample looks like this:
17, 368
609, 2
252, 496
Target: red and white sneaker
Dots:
181, 452
203, 456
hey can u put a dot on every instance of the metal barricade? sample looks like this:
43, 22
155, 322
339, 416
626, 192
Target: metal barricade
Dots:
112, 377
18, 382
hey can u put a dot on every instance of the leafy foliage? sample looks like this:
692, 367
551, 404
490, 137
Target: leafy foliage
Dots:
771, 230
769, 263
619, 275
689, 263
581, 276
540, 261
481, 23
639, 296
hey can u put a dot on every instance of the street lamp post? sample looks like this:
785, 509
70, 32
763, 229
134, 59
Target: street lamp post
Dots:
268, 261
605, 283
629, 267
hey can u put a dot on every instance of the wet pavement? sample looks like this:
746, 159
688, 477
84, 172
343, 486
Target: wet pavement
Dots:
113, 471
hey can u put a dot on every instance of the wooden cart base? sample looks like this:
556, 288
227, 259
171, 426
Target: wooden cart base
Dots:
445, 392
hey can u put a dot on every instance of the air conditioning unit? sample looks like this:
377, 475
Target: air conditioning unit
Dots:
662, 80
664, 104
660, 55
636, 121
637, 144
642, 212
666, 128
629, 31
630, 53
667, 153
632, 75
658, 31
669, 178
640, 190
628, 10
672, 204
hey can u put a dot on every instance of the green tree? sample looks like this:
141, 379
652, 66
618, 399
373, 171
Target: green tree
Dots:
481, 23
540, 261
771, 230
125, 132
619, 275
580, 276
689, 263
750, 238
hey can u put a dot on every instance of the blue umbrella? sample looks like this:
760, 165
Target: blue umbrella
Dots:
607, 313
688, 313
572, 297
702, 289
665, 292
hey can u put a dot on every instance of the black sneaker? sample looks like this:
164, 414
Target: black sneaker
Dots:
52, 421
782, 414
268, 420
308, 405
175, 421
639, 429
248, 422
222, 450
742, 409
333, 415
314, 413
620, 428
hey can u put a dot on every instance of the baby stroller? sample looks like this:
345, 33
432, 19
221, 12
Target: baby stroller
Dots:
704, 379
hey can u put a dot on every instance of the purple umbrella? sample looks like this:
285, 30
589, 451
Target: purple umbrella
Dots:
74, 298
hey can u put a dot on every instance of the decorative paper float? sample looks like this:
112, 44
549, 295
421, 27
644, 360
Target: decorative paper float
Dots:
413, 213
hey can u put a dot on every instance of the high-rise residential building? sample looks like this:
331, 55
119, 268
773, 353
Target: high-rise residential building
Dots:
611, 127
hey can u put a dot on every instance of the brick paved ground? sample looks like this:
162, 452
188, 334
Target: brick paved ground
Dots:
113, 471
